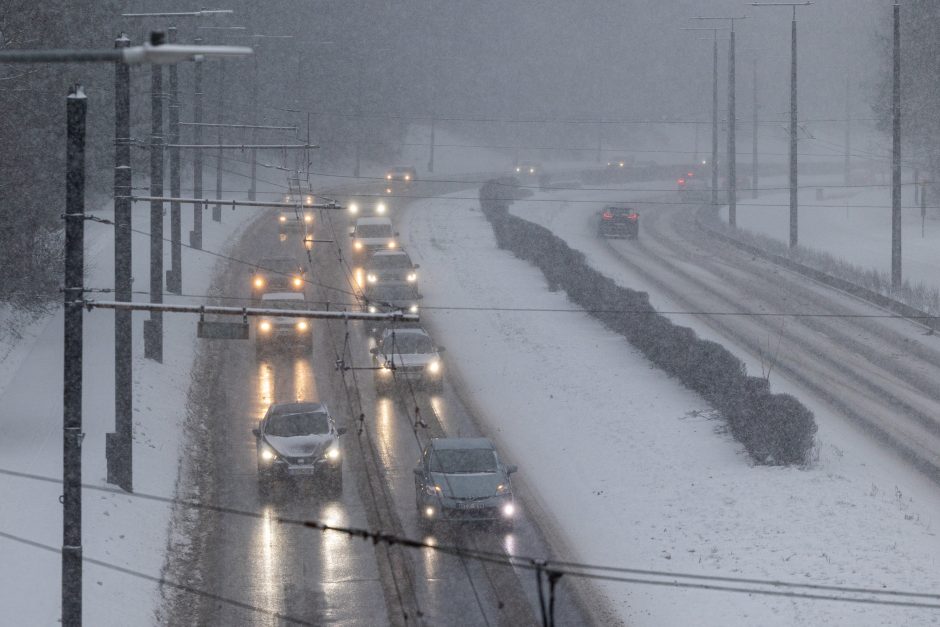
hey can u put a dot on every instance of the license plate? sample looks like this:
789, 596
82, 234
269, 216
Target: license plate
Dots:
303, 470
470, 505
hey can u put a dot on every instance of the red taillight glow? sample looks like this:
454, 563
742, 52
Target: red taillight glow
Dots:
690, 174
633, 217
608, 215
681, 181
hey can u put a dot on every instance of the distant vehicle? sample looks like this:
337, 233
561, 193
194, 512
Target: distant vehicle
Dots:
390, 266
294, 220
693, 187
299, 198
390, 297
371, 234
298, 440
617, 163
277, 274
623, 222
357, 208
274, 331
527, 169
405, 173
407, 355
463, 479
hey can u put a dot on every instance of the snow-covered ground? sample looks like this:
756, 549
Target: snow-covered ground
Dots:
636, 470
850, 223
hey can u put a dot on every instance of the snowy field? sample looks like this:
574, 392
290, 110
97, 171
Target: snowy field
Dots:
637, 471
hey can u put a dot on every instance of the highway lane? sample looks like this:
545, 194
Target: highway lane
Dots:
878, 372
294, 575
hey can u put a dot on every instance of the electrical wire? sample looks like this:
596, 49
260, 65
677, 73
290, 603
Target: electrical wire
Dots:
575, 569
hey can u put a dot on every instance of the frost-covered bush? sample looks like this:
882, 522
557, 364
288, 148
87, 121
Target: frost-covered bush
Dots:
774, 428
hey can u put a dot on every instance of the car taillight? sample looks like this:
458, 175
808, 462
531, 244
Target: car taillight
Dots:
633, 217
608, 215
681, 181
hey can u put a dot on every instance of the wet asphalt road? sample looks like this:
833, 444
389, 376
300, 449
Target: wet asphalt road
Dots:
259, 571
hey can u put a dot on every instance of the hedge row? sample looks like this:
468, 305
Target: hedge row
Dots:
774, 428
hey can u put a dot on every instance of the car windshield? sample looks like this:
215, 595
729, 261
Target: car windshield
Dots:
456, 461
408, 343
302, 423
393, 292
373, 230
278, 264
382, 262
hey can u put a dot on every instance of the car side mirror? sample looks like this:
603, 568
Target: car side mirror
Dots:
441, 349
374, 350
419, 472
511, 468
341, 431
256, 432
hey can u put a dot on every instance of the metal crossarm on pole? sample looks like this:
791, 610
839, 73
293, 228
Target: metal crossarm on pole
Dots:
392, 316
239, 203
243, 146
263, 127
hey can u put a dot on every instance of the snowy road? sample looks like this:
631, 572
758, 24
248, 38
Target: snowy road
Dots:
289, 573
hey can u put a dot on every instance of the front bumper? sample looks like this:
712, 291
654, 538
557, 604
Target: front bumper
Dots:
310, 467
450, 509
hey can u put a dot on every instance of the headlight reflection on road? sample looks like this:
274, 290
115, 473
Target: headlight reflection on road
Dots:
386, 432
431, 558
265, 387
268, 591
334, 546
304, 385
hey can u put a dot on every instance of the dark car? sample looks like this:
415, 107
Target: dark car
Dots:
277, 274
372, 234
283, 331
298, 440
390, 266
623, 222
618, 163
526, 169
390, 297
405, 173
463, 479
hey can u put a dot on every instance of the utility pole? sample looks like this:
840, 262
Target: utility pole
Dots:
153, 328
732, 125
217, 208
73, 294
847, 164
431, 159
715, 119
755, 174
794, 178
174, 278
896, 156
195, 237
118, 447
253, 153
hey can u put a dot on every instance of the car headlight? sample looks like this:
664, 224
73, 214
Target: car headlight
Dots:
518, 169
372, 309
283, 218
434, 490
407, 177
429, 512
308, 218
302, 325
502, 488
332, 453
380, 208
259, 282
388, 190
412, 277
434, 367
531, 170
298, 281
308, 200
385, 370
388, 177
393, 244
267, 455
265, 326
371, 278
357, 245
353, 208
509, 510
413, 309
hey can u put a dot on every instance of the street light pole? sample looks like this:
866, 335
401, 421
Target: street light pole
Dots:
174, 278
118, 445
73, 294
755, 175
195, 238
715, 119
896, 156
153, 328
794, 178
